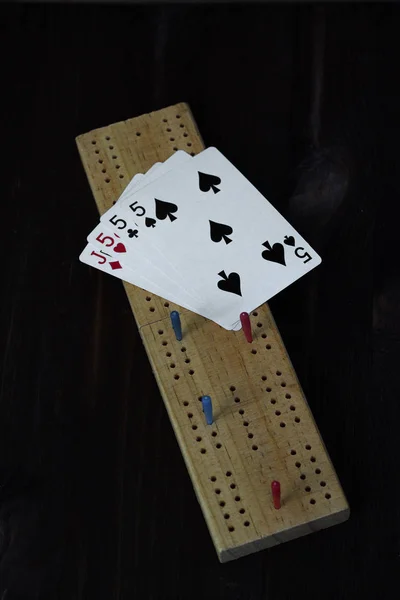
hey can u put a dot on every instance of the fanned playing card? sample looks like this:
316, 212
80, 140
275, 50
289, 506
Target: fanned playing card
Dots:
199, 232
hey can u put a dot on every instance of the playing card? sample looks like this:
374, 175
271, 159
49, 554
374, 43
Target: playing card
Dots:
233, 249
107, 242
101, 260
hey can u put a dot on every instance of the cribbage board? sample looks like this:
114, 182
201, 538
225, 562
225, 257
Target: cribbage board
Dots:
263, 429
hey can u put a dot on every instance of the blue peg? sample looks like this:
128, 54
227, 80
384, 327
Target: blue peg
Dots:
207, 409
176, 324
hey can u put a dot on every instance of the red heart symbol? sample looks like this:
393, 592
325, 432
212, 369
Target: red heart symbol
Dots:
119, 247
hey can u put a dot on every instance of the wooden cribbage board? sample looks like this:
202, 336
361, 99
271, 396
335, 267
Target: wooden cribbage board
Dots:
263, 428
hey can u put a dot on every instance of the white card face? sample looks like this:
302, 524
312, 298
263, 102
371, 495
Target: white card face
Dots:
139, 269
113, 266
228, 242
169, 269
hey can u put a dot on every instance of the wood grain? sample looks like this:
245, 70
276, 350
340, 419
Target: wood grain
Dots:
263, 428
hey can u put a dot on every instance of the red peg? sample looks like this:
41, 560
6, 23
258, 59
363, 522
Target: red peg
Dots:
246, 325
276, 494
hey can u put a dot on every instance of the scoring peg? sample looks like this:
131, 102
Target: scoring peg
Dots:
176, 324
207, 409
246, 325
276, 494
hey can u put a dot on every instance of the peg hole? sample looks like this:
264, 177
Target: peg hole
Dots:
148, 298
222, 503
288, 396
194, 427
237, 400
293, 452
307, 488
172, 365
292, 407
278, 373
268, 346
117, 166
277, 412
273, 401
114, 157
308, 447
178, 116
165, 120
218, 446
318, 471
232, 388
121, 176
242, 511
160, 331
246, 423
192, 154
237, 498
168, 354
108, 138
231, 528
169, 129
176, 376
313, 459
328, 496
226, 516
103, 170
217, 490
241, 411
198, 439
100, 161
188, 144
186, 403
213, 478
203, 451
282, 424
164, 343
190, 415
283, 384
259, 324
183, 349
250, 436
263, 335
93, 141
97, 151
214, 434
246, 523
302, 476
312, 501
138, 133
228, 474
297, 420
152, 309
298, 464
254, 351
232, 486
322, 484
166, 304
171, 139
111, 147
107, 180
268, 389
254, 447
264, 378
187, 361
191, 372
175, 148
185, 135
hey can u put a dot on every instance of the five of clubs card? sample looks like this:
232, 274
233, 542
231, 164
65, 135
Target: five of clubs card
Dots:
196, 232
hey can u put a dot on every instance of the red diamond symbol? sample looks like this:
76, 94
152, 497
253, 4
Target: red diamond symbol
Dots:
115, 265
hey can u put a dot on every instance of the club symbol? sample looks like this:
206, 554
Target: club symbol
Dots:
133, 233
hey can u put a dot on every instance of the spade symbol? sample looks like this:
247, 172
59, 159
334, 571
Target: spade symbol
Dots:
150, 222
165, 209
208, 182
274, 254
230, 283
289, 240
218, 231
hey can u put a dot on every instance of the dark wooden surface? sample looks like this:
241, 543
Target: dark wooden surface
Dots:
95, 501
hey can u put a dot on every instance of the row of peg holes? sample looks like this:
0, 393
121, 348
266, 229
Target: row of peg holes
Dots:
172, 139
114, 157
222, 503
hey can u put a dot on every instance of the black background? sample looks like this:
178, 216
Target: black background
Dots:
95, 500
